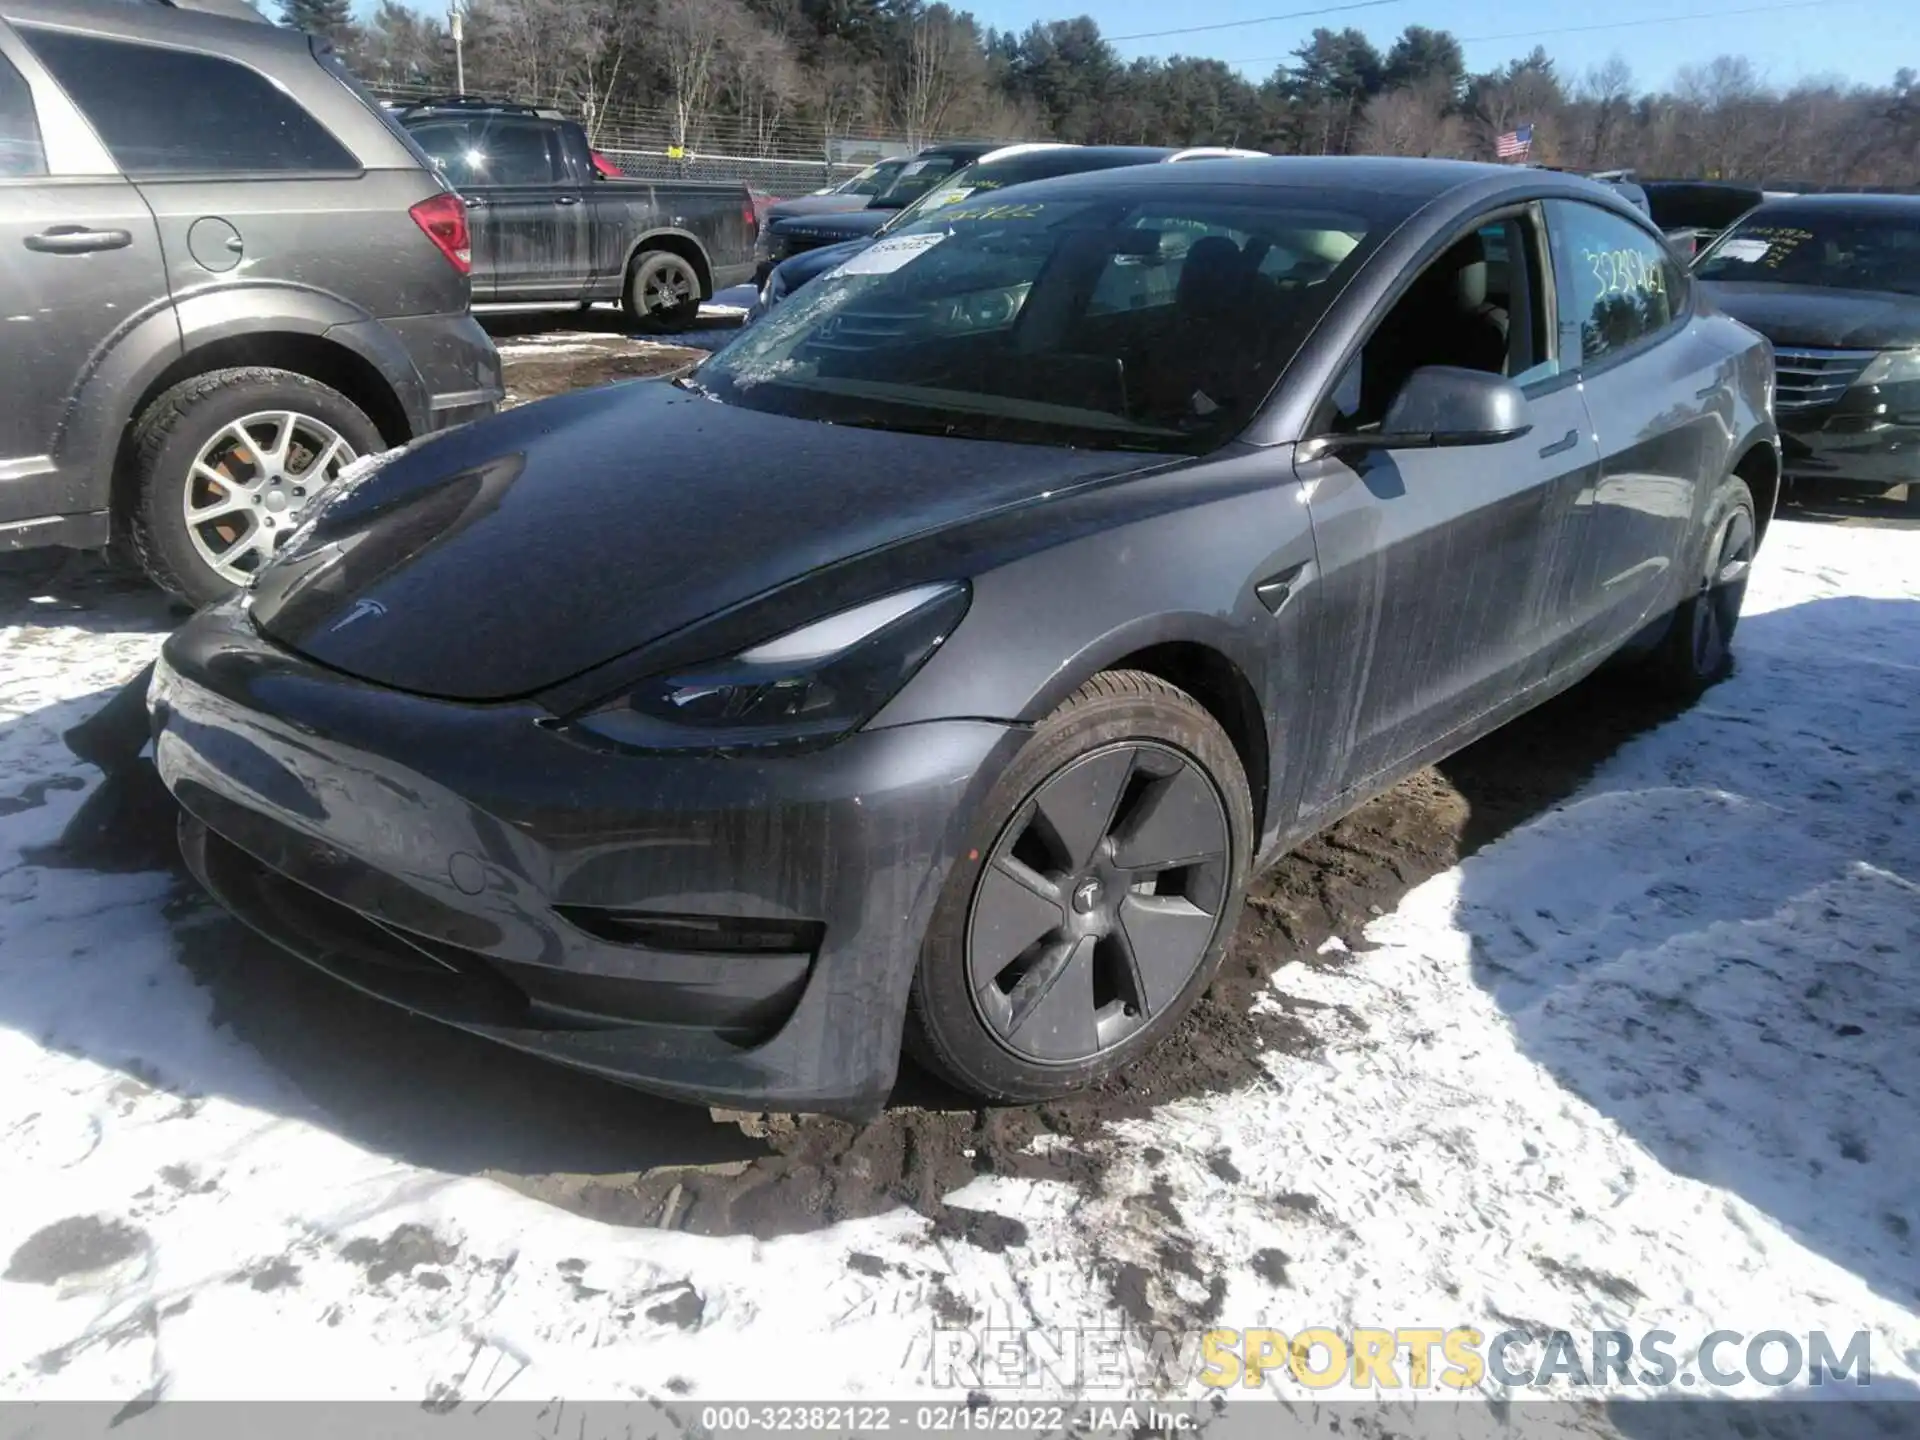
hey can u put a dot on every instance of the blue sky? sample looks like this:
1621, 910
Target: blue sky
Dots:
1863, 40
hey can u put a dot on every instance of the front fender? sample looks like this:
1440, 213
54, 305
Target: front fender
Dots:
1184, 572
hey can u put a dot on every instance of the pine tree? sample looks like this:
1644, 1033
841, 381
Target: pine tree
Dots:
329, 19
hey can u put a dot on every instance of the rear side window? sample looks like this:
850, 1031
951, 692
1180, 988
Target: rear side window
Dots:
20, 150
166, 112
1622, 286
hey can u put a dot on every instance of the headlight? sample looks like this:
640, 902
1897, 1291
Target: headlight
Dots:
775, 289
1891, 367
810, 685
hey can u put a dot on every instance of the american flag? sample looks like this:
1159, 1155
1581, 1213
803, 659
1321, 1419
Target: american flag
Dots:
1516, 144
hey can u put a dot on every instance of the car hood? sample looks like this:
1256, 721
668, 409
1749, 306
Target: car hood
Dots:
812, 264
831, 229
815, 205
1817, 317
516, 552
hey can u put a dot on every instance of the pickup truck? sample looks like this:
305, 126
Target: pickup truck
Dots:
550, 225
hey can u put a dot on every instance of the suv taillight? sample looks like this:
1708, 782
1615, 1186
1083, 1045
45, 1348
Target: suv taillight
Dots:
444, 218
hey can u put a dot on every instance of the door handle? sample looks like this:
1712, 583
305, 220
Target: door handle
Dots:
78, 240
475, 202
569, 199
1560, 447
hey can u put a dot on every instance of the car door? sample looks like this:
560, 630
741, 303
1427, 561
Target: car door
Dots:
532, 213
247, 185
1437, 566
1661, 398
79, 258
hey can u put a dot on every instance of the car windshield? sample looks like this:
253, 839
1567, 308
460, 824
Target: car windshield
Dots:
1155, 323
996, 175
915, 177
870, 181
1809, 247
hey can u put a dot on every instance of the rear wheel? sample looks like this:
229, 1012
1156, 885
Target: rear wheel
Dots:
1913, 497
1093, 906
663, 291
225, 464
1698, 648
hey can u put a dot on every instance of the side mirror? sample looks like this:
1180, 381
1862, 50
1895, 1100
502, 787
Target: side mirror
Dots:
1441, 405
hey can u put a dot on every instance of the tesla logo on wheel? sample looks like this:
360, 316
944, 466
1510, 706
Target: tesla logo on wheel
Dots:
361, 609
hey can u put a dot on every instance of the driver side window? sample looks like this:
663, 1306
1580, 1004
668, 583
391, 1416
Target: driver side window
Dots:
1479, 306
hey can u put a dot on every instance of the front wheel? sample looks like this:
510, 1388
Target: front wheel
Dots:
663, 291
1095, 900
1698, 649
225, 464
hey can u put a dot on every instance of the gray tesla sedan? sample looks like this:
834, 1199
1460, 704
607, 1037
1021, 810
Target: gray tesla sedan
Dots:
1126, 528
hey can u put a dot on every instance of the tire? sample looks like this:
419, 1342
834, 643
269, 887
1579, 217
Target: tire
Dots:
1913, 497
1089, 995
1697, 650
663, 291
181, 426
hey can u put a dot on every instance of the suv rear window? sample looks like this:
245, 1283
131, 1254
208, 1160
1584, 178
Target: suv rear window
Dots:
161, 111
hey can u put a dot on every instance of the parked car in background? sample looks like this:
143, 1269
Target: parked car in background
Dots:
850, 194
792, 234
1126, 529
1694, 212
228, 273
1015, 165
551, 226
1834, 282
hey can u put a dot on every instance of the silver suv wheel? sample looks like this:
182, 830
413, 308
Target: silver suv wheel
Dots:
250, 483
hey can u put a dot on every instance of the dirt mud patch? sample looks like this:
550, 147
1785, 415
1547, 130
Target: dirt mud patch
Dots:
536, 372
77, 1245
407, 1249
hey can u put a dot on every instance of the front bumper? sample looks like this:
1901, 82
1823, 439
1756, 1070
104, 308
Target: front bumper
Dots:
1869, 439
730, 931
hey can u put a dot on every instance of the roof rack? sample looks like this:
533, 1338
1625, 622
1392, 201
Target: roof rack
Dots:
470, 102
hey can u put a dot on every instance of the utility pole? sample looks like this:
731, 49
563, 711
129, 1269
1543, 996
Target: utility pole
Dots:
456, 29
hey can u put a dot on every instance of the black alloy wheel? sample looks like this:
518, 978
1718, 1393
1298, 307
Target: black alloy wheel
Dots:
1105, 876
1722, 591
1697, 649
1100, 900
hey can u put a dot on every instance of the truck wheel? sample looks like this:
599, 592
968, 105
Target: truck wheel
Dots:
663, 291
224, 465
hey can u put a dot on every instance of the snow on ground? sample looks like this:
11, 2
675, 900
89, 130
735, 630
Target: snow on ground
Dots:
1649, 1061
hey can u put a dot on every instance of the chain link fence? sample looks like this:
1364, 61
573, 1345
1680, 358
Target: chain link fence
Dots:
782, 161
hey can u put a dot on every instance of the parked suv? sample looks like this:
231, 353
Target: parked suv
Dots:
228, 274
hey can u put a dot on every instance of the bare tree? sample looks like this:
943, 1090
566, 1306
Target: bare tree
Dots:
687, 37
938, 62
1414, 120
1607, 94
844, 92
762, 80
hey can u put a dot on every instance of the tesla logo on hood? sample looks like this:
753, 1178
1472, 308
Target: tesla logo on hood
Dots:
361, 610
